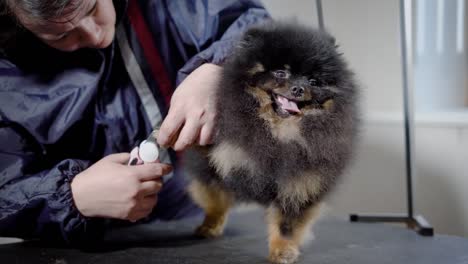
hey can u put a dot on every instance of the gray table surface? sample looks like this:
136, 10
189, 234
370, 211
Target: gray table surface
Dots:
336, 241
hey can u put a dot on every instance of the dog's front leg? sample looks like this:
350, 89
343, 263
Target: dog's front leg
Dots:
287, 232
216, 203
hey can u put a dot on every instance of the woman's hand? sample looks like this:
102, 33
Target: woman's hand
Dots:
111, 189
192, 112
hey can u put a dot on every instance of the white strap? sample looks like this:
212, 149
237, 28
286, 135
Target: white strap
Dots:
136, 75
138, 80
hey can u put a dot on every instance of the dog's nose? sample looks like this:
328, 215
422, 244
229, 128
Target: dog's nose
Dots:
297, 91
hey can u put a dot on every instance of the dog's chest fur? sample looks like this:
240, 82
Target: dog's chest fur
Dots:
226, 157
239, 172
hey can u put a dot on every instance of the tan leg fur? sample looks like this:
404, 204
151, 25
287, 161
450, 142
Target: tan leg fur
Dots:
284, 246
216, 204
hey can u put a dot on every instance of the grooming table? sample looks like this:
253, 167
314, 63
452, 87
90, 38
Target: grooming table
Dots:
336, 241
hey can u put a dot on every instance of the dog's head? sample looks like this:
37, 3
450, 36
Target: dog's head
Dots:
292, 71
289, 93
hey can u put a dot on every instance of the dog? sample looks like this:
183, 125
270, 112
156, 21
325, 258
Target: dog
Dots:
287, 122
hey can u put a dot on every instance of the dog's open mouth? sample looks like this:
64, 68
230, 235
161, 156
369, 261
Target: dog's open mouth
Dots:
286, 107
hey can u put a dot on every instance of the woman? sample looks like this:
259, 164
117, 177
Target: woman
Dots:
81, 83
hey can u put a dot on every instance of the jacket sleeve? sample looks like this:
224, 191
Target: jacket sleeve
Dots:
35, 194
213, 27
35, 197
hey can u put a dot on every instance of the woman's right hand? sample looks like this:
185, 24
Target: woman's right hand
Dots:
111, 189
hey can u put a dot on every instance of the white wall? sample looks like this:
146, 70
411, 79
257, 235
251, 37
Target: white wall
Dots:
376, 180
368, 33
441, 184
303, 11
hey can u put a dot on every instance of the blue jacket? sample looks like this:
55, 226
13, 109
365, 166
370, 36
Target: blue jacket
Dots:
61, 112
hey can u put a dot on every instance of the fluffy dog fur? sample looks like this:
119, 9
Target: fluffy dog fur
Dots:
268, 151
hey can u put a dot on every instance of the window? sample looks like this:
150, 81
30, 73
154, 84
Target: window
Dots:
440, 82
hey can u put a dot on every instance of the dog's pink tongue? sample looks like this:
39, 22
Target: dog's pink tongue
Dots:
288, 105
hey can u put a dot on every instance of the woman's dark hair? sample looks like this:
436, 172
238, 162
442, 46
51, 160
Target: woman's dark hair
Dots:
40, 9
8, 27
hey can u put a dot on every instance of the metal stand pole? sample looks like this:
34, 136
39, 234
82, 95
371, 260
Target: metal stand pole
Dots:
318, 4
417, 223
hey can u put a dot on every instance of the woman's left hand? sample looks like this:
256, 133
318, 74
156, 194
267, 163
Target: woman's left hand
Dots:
192, 112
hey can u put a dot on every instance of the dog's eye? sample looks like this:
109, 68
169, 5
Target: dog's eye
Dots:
281, 74
313, 82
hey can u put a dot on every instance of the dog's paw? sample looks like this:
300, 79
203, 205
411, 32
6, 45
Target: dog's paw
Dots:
284, 253
209, 231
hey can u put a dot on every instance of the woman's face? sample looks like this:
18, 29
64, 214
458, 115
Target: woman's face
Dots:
86, 24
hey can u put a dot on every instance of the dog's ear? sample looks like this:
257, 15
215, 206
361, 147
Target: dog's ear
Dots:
253, 33
250, 37
332, 40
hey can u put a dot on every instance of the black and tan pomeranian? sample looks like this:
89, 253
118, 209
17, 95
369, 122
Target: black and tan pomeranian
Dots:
287, 119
